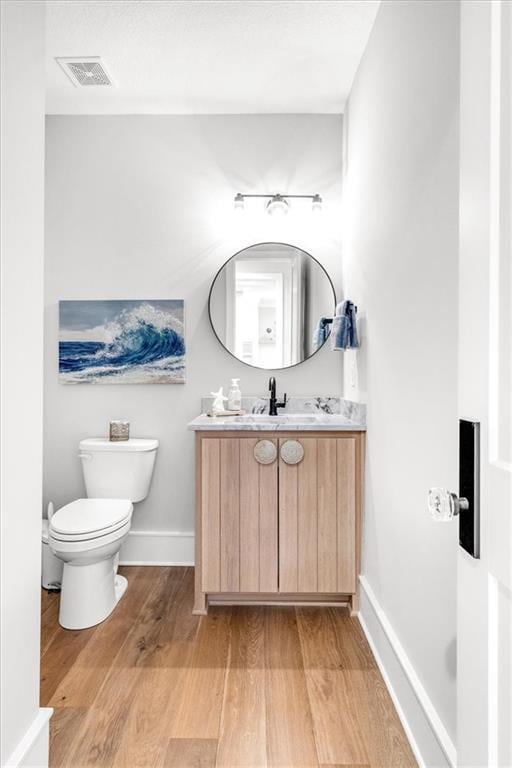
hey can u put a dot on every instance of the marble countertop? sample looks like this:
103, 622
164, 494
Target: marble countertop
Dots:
300, 414
284, 422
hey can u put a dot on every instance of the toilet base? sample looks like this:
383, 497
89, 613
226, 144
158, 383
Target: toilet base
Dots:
120, 586
90, 592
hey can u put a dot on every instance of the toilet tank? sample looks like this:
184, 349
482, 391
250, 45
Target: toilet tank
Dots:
118, 470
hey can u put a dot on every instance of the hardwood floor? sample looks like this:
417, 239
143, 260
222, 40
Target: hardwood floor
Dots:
244, 687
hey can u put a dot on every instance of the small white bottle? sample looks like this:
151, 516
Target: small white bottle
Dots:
234, 396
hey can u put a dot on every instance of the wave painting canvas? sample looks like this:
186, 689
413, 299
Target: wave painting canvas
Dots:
122, 342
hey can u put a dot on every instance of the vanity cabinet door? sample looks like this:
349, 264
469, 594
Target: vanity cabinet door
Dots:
317, 516
239, 497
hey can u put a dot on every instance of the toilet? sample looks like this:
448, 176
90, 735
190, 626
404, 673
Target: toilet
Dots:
87, 534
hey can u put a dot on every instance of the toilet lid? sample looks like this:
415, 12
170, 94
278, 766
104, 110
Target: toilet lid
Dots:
95, 444
90, 515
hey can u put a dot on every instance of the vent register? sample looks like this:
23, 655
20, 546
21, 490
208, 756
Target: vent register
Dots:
85, 71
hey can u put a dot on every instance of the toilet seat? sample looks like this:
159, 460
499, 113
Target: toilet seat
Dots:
86, 519
86, 545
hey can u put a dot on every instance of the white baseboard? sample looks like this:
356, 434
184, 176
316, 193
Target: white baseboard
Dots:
429, 740
158, 548
33, 749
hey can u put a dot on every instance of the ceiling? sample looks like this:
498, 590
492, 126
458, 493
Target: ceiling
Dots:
208, 56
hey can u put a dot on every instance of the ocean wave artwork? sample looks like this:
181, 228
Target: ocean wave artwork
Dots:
122, 342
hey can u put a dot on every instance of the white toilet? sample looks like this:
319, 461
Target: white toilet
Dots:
87, 534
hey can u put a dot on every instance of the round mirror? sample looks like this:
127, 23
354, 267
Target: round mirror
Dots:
271, 305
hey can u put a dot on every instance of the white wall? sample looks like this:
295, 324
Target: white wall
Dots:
400, 267
141, 207
23, 725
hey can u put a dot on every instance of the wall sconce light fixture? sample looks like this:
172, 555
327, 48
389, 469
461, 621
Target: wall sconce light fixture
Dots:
278, 204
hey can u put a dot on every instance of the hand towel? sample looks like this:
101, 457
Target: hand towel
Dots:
321, 332
344, 327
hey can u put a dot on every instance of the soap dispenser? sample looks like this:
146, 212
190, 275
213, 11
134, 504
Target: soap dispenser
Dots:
234, 396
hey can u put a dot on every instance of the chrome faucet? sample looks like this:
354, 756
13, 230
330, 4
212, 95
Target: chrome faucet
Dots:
273, 405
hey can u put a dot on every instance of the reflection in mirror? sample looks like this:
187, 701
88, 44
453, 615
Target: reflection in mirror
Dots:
271, 305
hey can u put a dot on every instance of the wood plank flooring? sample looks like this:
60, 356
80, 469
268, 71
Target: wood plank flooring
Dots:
244, 687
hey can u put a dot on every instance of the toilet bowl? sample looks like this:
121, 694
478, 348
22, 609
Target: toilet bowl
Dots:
87, 534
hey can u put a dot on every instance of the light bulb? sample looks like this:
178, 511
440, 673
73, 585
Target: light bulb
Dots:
239, 202
316, 205
277, 206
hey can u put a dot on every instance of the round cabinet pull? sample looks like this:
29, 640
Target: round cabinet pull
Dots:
292, 452
265, 452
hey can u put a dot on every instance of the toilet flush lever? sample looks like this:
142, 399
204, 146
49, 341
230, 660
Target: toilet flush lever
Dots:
85, 456
444, 505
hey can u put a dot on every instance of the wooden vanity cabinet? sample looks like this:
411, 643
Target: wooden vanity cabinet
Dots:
278, 531
238, 517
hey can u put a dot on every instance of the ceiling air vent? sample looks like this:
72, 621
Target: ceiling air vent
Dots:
85, 70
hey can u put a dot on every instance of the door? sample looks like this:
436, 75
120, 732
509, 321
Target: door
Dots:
484, 670
318, 501
239, 515
265, 310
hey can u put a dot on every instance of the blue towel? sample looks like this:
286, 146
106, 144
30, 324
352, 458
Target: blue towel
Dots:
344, 327
321, 332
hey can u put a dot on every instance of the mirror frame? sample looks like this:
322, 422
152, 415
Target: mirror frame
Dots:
253, 245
